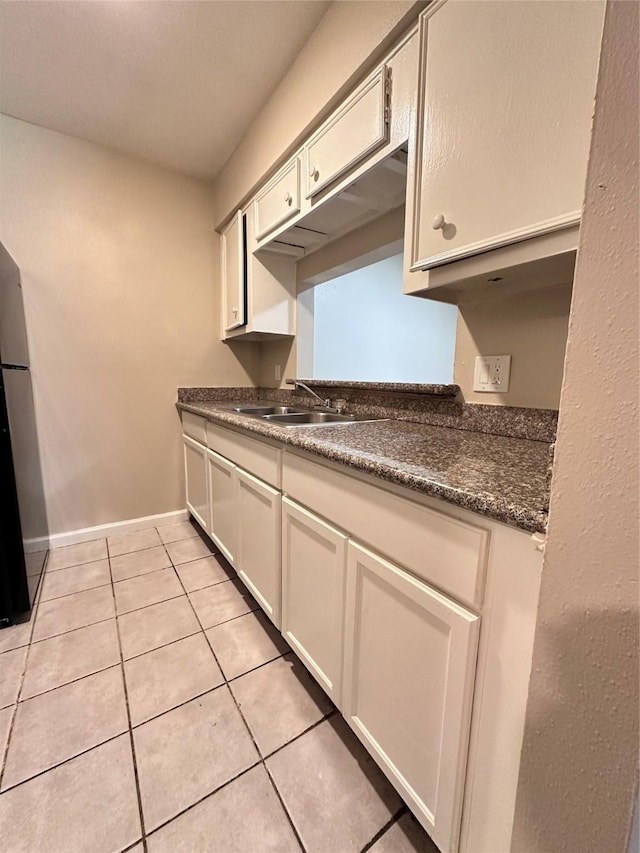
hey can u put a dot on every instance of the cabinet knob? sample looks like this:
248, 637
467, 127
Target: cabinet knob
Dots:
288, 199
235, 312
314, 173
438, 222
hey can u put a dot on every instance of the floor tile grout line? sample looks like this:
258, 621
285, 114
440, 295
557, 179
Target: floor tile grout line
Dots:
22, 701
75, 592
164, 645
203, 798
71, 630
34, 614
242, 717
75, 565
272, 782
386, 827
126, 700
64, 761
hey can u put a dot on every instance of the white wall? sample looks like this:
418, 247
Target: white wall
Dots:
118, 262
579, 763
366, 329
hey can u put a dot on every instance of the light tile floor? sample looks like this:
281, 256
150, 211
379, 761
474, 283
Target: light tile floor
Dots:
148, 705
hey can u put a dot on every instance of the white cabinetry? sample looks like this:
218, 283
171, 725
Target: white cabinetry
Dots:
505, 102
313, 590
358, 128
259, 542
195, 475
410, 656
279, 200
223, 524
233, 273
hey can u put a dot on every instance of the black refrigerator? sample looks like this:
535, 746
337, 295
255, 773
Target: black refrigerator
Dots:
23, 518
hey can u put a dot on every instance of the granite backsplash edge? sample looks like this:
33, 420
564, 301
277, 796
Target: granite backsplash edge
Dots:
508, 421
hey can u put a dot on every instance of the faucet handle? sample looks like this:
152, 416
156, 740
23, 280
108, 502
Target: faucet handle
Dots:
339, 406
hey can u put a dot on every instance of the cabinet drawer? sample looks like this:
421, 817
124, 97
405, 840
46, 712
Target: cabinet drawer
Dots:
259, 458
357, 129
194, 426
440, 549
279, 200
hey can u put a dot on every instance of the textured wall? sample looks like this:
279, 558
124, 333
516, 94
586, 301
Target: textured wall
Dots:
118, 260
580, 755
531, 327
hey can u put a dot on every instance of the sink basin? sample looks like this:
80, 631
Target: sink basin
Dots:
261, 411
308, 418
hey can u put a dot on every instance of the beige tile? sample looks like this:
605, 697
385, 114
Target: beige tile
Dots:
73, 555
245, 815
135, 541
148, 589
70, 656
327, 772
201, 573
73, 611
222, 602
139, 563
405, 836
169, 676
58, 725
11, 669
189, 752
88, 804
6, 715
279, 701
15, 636
245, 643
189, 549
157, 625
177, 531
75, 579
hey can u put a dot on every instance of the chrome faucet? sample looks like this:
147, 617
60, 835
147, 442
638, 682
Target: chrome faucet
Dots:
326, 404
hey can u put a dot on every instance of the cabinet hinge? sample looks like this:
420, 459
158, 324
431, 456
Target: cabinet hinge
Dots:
387, 96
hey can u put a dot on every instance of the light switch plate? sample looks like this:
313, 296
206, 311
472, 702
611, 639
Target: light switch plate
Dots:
492, 373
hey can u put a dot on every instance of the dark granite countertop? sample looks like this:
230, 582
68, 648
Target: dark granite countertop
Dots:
499, 477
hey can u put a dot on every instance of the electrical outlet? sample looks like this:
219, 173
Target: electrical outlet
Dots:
492, 373
278, 373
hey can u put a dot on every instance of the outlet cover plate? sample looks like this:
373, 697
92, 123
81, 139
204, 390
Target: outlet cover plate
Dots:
492, 373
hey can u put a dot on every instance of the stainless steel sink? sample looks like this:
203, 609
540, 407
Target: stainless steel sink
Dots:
262, 411
309, 418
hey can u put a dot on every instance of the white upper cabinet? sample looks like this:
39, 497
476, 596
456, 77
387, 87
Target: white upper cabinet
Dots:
355, 130
279, 200
505, 103
233, 273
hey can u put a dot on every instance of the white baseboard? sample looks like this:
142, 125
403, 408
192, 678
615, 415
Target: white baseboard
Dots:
117, 528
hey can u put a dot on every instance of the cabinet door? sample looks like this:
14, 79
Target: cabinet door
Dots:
195, 476
313, 589
279, 200
223, 503
233, 273
506, 94
258, 561
410, 657
356, 130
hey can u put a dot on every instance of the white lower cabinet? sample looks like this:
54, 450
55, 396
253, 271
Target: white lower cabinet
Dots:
195, 474
223, 521
409, 667
313, 591
258, 550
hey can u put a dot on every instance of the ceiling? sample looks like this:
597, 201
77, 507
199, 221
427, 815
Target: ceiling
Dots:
175, 83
